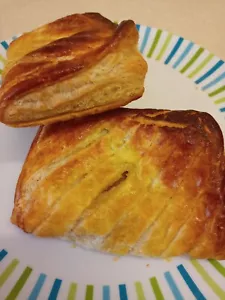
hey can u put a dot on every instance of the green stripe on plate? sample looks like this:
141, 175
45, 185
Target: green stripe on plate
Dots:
155, 42
19, 284
218, 101
192, 60
156, 289
72, 291
139, 291
218, 91
2, 59
8, 271
165, 46
201, 65
89, 292
208, 279
220, 268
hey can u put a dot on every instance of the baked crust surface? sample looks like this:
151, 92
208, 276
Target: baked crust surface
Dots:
79, 65
141, 182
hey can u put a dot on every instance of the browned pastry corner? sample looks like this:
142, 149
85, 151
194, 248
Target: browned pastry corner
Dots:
79, 65
140, 182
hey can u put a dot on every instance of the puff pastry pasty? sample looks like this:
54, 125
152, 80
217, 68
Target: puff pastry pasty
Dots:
140, 182
79, 65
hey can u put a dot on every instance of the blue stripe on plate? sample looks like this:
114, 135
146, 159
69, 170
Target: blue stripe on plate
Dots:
213, 82
37, 287
222, 109
174, 50
138, 27
55, 289
208, 73
5, 45
123, 292
145, 39
3, 253
176, 292
190, 283
183, 55
106, 292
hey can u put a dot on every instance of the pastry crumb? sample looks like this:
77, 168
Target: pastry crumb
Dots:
73, 245
168, 259
116, 258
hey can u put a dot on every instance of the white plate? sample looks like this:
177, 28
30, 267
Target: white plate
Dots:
181, 75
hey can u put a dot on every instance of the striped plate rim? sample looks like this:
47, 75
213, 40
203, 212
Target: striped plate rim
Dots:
205, 70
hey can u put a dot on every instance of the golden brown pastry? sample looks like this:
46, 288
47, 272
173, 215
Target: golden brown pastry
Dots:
79, 65
141, 182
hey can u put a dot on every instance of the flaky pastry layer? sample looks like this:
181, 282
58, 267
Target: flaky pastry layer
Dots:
79, 65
